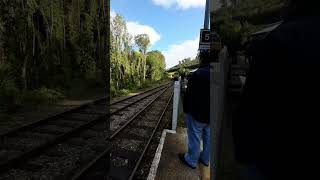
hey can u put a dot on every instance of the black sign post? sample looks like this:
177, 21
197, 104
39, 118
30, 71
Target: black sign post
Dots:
204, 43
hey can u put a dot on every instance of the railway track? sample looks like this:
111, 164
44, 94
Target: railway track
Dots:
63, 146
130, 144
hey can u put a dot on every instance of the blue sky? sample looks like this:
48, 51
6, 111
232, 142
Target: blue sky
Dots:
172, 25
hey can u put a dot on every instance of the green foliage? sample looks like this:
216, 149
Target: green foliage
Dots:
42, 96
130, 69
181, 120
50, 43
124, 92
187, 63
8, 90
166, 75
156, 65
183, 71
237, 20
142, 41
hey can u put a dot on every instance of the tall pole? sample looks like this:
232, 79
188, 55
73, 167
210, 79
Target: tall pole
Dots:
207, 15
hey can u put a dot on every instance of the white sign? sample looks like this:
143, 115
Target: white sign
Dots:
204, 47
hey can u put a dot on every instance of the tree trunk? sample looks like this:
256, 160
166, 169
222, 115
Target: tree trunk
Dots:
33, 40
79, 15
144, 67
99, 49
104, 8
63, 25
24, 73
51, 14
22, 4
64, 33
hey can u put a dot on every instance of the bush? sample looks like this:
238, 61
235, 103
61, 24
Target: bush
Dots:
42, 96
8, 96
8, 91
147, 84
131, 86
123, 92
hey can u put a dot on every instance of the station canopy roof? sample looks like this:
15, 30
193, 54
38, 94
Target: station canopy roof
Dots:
193, 70
268, 28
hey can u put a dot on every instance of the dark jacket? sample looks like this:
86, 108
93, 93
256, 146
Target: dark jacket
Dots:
196, 100
276, 125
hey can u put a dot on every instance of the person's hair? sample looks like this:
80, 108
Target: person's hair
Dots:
298, 8
204, 58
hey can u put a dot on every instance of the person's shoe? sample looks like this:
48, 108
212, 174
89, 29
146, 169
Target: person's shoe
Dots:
200, 160
183, 160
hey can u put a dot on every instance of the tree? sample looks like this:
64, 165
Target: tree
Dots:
236, 20
143, 42
130, 68
120, 50
52, 43
156, 65
183, 71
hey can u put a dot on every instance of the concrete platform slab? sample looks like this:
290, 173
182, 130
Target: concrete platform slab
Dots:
170, 167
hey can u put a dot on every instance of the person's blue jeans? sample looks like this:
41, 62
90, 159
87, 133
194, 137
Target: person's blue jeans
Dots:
195, 130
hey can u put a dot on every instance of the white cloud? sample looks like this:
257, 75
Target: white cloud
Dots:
112, 14
135, 28
178, 52
181, 4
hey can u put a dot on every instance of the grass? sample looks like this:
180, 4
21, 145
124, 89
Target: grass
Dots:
82, 89
41, 96
132, 88
181, 123
181, 115
14, 101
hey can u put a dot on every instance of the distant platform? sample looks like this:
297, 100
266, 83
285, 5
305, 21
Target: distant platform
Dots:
170, 167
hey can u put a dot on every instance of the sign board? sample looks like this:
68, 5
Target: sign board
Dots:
204, 46
205, 36
204, 43
208, 38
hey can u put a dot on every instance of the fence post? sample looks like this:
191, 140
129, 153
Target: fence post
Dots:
176, 100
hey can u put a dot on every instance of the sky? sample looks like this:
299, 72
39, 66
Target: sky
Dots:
173, 26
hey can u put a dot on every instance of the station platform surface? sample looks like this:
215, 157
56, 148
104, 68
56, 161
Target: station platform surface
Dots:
170, 167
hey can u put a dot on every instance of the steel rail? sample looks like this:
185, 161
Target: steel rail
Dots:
60, 114
149, 141
105, 153
136, 115
25, 155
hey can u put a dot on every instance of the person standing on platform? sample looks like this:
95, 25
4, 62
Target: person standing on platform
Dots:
196, 106
276, 128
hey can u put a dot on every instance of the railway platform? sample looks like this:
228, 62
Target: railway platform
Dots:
170, 167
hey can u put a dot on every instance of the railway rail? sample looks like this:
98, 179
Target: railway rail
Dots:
129, 144
66, 145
